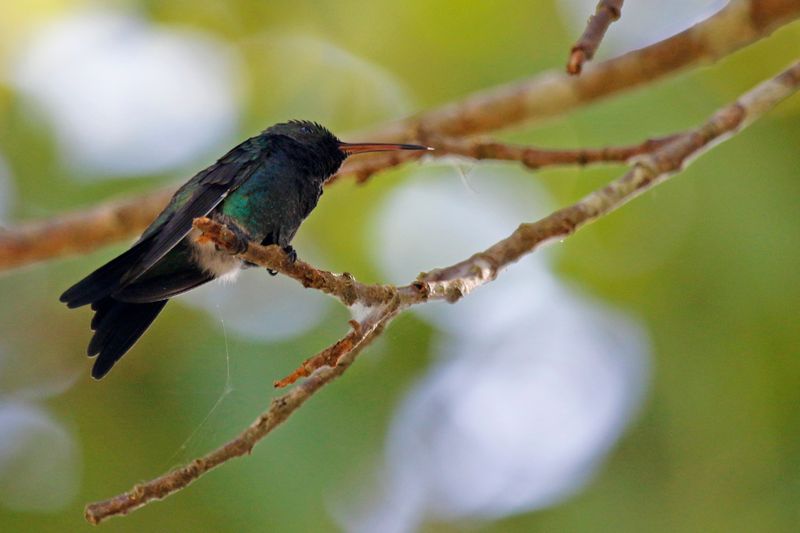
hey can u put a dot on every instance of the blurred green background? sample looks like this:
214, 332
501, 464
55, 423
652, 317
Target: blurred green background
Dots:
708, 263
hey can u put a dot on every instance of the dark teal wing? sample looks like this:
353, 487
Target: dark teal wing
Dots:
195, 199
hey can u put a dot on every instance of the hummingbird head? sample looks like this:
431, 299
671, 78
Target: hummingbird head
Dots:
326, 146
309, 134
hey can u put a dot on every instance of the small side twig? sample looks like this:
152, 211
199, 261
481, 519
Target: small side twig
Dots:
583, 50
359, 336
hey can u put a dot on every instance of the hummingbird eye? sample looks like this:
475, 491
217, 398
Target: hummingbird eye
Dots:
305, 129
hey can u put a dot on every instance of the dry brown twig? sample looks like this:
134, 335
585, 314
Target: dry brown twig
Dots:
607, 12
740, 23
383, 303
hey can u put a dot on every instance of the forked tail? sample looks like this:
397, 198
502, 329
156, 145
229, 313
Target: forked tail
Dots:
117, 326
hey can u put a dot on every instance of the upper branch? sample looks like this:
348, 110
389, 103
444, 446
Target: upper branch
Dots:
549, 94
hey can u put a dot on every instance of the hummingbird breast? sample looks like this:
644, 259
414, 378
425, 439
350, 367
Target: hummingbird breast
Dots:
270, 207
267, 208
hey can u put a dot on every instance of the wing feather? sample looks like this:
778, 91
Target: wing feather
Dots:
197, 198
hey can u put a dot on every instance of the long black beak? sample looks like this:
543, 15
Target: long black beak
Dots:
361, 148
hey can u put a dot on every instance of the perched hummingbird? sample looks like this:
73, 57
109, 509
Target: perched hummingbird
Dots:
262, 189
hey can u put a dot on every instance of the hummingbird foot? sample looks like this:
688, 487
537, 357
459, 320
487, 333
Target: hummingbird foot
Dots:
291, 254
241, 239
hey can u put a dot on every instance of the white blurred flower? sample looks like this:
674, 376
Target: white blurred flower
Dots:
643, 22
436, 219
261, 307
127, 97
38, 460
511, 423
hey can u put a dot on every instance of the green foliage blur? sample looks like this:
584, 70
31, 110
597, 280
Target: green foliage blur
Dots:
708, 261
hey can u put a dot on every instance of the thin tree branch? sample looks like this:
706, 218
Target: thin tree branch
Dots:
80, 231
344, 286
482, 149
453, 282
550, 94
740, 23
607, 11
536, 158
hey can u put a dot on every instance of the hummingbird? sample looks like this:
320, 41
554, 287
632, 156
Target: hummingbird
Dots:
262, 190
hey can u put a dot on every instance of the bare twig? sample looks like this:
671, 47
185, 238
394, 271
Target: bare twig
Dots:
455, 281
537, 157
607, 11
738, 24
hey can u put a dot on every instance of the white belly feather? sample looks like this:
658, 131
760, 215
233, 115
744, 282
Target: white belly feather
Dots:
222, 265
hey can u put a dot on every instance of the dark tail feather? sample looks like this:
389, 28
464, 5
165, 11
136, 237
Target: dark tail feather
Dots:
118, 325
105, 280
157, 288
